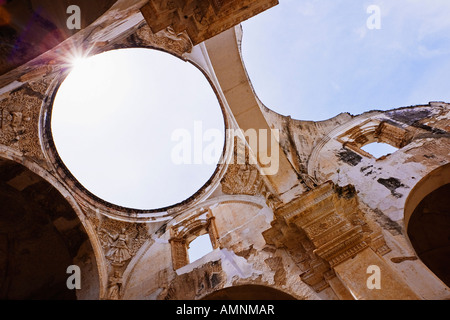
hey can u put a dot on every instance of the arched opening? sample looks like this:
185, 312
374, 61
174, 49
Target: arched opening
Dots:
249, 292
40, 237
427, 221
378, 149
429, 232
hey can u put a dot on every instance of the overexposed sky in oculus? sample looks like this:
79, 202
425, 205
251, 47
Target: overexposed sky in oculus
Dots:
310, 59
313, 59
113, 122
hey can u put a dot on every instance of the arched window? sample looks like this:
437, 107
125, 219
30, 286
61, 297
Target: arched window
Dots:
193, 238
374, 138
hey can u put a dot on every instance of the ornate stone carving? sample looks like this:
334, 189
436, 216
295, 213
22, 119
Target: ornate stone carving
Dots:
181, 37
182, 233
321, 229
117, 247
120, 242
242, 179
19, 119
13, 122
179, 253
115, 286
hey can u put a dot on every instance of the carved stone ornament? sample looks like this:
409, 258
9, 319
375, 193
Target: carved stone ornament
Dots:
245, 179
199, 222
321, 229
115, 286
19, 119
242, 179
13, 122
117, 247
120, 242
196, 284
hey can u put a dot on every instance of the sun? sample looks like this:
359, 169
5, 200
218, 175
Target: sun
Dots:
75, 56
78, 62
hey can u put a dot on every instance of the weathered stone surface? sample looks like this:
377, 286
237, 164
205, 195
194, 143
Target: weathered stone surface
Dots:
201, 19
310, 230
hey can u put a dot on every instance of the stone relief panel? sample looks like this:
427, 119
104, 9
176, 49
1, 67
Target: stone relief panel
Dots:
244, 178
321, 229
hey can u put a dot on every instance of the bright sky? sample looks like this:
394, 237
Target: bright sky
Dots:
199, 247
310, 59
113, 120
313, 59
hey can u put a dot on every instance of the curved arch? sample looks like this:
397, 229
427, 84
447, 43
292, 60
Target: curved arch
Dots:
119, 212
52, 232
249, 292
314, 158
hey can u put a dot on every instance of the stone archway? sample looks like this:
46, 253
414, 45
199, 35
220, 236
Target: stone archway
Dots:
249, 292
427, 217
40, 237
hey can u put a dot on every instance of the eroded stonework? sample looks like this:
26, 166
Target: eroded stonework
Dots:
309, 231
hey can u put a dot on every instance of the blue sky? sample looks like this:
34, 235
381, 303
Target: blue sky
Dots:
313, 59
